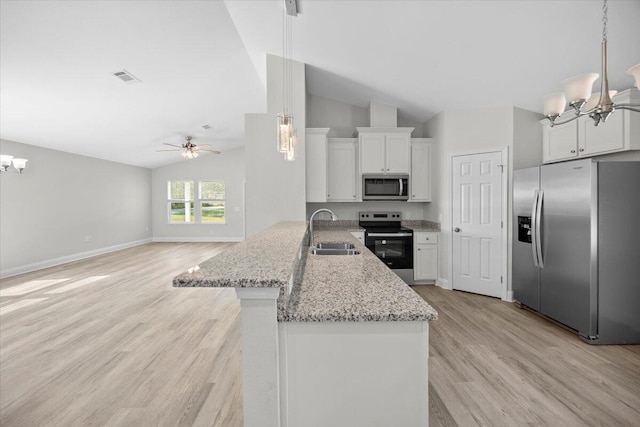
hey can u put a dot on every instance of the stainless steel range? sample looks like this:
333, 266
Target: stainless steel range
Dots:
390, 241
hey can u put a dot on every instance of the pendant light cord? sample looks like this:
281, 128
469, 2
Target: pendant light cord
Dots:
605, 9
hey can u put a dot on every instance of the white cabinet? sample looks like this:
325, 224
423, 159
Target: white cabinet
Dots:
580, 138
342, 171
372, 153
420, 178
385, 150
358, 235
559, 142
316, 164
425, 256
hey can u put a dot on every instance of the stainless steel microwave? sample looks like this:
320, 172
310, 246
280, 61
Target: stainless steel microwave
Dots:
385, 187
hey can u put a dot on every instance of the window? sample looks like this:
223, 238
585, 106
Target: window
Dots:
208, 208
211, 202
181, 206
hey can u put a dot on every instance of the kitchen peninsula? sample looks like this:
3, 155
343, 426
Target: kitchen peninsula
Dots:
326, 339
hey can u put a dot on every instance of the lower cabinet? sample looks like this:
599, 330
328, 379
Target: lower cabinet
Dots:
359, 235
425, 256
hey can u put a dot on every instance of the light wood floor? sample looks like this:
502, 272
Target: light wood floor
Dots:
115, 344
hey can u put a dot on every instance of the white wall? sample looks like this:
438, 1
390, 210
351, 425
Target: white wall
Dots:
229, 166
48, 213
343, 118
460, 132
275, 188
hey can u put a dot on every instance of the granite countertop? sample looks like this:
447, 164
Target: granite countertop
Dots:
421, 225
352, 288
265, 260
330, 288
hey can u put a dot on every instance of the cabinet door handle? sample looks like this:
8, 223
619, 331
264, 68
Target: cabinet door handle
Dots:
419, 249
581, 150
573, 151
382, 169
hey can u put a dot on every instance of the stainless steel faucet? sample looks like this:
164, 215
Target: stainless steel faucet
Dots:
333, 218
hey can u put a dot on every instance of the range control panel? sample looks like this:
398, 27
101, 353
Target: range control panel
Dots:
380, 216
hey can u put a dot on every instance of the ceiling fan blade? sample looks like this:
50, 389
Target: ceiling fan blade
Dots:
211, 151
173, 145
169, 150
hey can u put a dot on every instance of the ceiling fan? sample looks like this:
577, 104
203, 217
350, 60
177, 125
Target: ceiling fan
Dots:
189, 149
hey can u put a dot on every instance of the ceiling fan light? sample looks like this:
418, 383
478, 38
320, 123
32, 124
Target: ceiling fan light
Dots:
635, 72
554, 104
578, 88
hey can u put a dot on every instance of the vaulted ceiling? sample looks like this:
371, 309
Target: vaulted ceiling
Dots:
203, 63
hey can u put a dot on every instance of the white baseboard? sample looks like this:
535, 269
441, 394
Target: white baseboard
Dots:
69, 258
508, 297
443, 283
197, 239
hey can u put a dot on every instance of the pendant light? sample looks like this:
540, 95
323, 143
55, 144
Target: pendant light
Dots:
286, 134
577, 91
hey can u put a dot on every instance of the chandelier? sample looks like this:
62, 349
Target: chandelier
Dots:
577, 91
18, 164
286, 134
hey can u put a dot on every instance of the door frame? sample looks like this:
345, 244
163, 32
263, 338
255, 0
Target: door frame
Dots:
506, 172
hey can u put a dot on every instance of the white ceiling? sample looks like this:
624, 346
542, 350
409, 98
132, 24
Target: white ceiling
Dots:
203, 62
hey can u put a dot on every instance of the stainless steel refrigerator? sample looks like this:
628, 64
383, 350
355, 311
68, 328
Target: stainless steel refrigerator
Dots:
576, 246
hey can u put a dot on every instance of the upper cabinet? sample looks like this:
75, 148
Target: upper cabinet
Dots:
420, 179
580, 138
385, 150
342, 170
316, 164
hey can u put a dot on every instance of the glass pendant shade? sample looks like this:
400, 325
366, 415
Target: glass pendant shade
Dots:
635, 72
19, 164
595, 97
5, 161
554, 104
579, 87
285, 132
290, 154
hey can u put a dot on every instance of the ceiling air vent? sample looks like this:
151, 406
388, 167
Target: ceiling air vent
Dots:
126, 77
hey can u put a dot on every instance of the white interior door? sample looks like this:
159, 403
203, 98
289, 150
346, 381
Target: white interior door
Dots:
477, 223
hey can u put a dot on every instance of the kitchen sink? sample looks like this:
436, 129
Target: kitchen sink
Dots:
334, 245
328, 251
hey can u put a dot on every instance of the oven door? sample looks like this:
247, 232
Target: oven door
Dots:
394, 249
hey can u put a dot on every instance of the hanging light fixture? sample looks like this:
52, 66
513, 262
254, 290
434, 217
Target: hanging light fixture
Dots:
6, 161
577, 91
286, 134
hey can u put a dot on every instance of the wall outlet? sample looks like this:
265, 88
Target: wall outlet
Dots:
407, 215
88, 238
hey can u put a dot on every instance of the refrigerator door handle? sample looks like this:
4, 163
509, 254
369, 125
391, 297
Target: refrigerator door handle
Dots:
534, 245
539, 228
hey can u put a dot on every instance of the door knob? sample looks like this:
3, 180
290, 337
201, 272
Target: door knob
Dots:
457, 230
